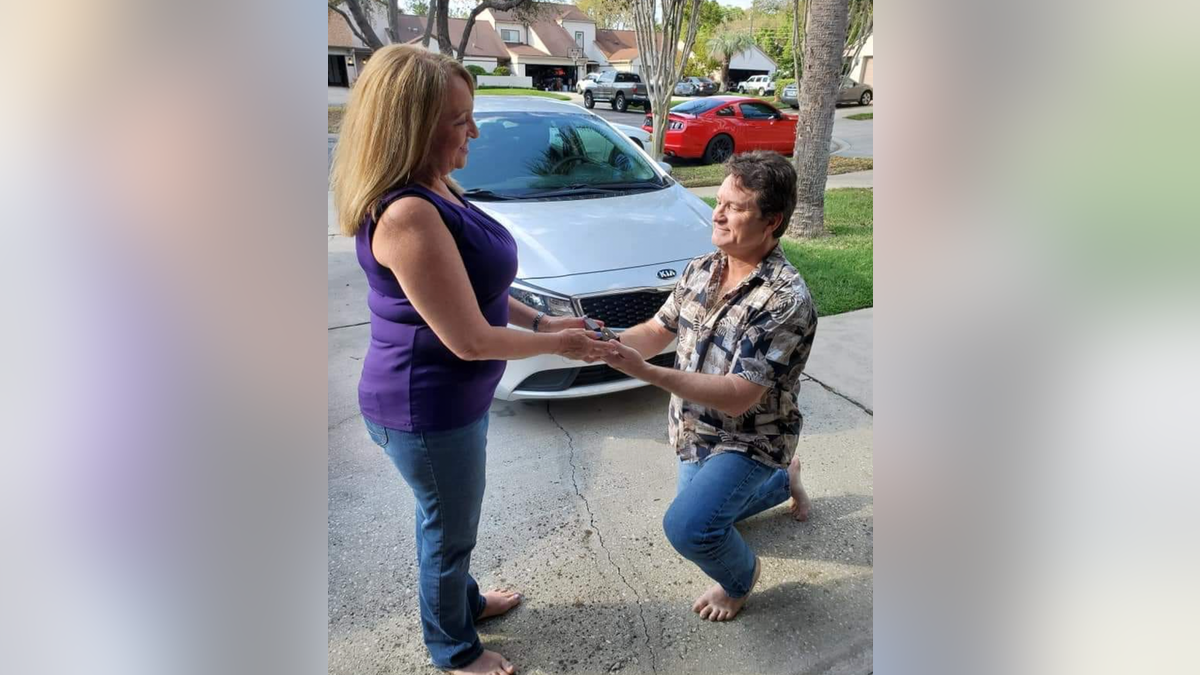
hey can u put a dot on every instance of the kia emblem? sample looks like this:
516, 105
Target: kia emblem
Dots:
666, 274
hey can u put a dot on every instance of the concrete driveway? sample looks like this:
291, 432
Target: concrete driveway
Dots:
572, 519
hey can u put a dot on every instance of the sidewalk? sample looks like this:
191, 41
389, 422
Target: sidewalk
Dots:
857, 179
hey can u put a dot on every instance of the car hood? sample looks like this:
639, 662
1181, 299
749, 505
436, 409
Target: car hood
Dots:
582, 236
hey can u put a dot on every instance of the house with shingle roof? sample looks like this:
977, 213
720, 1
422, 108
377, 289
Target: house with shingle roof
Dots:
553, 41
347, 53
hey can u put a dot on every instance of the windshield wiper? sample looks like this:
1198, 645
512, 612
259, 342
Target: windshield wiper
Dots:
487, 195
603, 188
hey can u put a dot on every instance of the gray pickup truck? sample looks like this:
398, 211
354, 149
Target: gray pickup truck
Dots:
619, 89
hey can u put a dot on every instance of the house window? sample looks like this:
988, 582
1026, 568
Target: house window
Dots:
579, 38
510, 35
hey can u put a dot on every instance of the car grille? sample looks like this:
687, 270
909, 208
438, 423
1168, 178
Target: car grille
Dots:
565, 378
624, 310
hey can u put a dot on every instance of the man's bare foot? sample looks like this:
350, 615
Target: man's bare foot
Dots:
800, 501
499, 602
716, 605
488, 663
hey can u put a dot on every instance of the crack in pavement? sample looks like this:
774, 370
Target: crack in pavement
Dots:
349, 325
343, 421
600, 536
839, 394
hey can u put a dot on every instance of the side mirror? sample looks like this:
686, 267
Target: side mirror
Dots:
665, 167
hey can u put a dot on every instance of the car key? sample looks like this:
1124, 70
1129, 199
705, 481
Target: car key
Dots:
605, 333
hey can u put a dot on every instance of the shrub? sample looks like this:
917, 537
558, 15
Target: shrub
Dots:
781, 84
502, 70
476, 71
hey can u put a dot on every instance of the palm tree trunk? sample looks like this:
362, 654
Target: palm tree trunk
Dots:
824, 43
725, 73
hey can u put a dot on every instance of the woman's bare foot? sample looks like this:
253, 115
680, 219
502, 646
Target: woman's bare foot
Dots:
716, 605
800, 501
499, 602
488, 663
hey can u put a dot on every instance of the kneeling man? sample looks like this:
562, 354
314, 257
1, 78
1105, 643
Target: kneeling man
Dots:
745, 324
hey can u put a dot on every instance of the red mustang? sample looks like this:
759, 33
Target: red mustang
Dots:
715, 127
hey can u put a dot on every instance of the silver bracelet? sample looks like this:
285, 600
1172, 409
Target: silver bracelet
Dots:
537, 319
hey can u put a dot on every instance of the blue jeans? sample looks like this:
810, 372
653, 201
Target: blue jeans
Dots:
445, 470
711, 496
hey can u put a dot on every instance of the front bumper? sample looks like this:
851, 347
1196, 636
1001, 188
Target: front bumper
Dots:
539, 372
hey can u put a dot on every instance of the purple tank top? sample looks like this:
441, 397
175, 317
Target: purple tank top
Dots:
410, 380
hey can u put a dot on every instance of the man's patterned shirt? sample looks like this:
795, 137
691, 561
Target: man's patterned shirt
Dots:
761, 330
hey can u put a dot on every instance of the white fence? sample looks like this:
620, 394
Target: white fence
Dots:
519, 81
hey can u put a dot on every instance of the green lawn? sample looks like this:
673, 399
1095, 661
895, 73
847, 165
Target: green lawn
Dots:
505, 91
838, 268
861, 116
703, 175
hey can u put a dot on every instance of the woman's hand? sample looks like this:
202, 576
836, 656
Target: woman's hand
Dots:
554, 324
580, 345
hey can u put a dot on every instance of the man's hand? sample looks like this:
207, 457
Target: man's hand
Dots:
625, 359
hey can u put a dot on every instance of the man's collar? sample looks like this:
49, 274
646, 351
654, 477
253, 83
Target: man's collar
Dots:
763, 270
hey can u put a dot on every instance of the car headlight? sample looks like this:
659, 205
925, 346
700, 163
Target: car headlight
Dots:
554, 306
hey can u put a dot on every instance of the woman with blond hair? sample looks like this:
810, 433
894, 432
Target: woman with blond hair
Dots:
439, 271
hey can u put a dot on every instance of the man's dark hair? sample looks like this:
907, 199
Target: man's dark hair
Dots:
772, 179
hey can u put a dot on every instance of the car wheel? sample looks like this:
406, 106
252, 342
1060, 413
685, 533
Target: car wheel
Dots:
619, 103
795, 106
866, 98
719, 149
646, 107
588, 101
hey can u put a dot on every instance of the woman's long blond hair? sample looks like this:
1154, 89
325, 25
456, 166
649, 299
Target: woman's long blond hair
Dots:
388, 125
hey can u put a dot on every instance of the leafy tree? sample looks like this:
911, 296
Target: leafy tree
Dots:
611, 14
724, 46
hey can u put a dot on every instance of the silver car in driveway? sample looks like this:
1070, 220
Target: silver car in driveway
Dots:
601, 229
849, 91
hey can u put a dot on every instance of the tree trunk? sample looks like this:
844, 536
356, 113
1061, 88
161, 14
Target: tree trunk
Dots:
366, 32
725, 60
824, 44
431, 16
799, 7
660, 67
393, 15
498, 5
443, 28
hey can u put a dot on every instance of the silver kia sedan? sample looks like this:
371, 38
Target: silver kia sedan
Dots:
601, 229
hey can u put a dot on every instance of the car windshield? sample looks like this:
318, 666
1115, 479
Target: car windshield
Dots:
697, 106
522, 155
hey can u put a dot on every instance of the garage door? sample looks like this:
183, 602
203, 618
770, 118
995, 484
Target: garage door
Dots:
868, 66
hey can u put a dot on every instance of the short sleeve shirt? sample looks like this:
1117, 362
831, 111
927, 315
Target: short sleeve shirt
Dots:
762, 330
